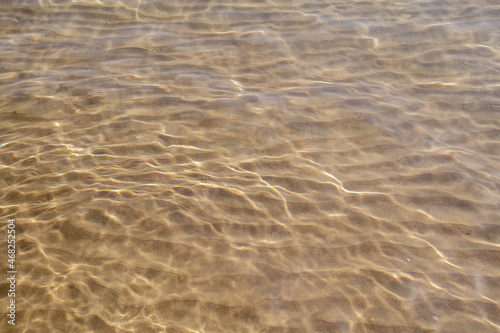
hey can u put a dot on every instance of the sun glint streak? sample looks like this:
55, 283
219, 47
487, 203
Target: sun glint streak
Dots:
443, 257
285, 206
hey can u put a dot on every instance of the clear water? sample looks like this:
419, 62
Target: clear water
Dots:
251, 166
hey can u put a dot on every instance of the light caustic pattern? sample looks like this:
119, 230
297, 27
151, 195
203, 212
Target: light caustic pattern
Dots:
251, 166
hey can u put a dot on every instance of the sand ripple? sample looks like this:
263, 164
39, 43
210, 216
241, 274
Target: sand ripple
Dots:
252, 167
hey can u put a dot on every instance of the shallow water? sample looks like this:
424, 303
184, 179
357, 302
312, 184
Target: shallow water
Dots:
259, 166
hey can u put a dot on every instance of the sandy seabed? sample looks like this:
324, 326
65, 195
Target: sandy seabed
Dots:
250, 166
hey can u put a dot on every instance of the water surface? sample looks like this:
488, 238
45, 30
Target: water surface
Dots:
252, 166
